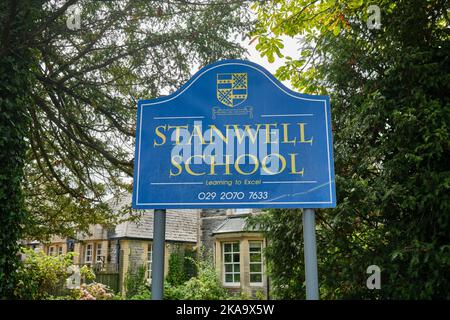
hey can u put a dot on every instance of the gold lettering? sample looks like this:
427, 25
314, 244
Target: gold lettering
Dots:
177, 132
176, 165
219, 133
212, 171
238, 169
161, 135
264, 163
188, 168
197, 129
302, 134
286, 134
268, 132
293, 165
238, 134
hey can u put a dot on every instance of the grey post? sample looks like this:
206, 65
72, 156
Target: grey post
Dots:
159, 234
309, 237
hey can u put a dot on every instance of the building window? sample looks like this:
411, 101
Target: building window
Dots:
70, 245
256, 262
51, 251
231, 263
60, 250
242, 211
88, 254
149, 261
98, 253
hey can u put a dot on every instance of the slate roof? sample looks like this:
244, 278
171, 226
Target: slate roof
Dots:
231, 225
181, 224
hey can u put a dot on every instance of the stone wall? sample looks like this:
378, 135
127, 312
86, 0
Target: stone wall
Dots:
137, 254
113, 252
210, 219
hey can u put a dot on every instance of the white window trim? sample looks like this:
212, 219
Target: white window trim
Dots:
242, 211
98, 254
231, 284
86, 253
256, 284
51, 251
60, 250
149, 262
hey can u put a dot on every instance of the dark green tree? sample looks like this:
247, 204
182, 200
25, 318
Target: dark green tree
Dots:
68, 101
88, 83
391, 116
15, 65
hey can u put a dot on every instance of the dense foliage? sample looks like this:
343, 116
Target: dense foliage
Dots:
68, 102
15, 77
40, 274
391, 116
92, 291
205, 286
136, 282
189, 278
181, 266
88, 81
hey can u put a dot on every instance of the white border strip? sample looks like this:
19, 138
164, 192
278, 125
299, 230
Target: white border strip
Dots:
169, 183
139, 157
167, 118
226, 203
300, 181
288, 115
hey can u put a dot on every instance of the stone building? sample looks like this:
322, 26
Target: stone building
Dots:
236, 250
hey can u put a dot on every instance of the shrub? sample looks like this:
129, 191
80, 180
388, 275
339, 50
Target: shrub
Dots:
176, 276
44, 277
205, 286
93, 291
190, 268
40, 274
144, 294
136, 282
181, 266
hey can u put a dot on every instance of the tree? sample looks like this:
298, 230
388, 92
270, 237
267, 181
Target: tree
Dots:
14, 123
82, 132
391, 116
68, 100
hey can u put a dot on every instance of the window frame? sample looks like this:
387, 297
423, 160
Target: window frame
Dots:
86, 255
232, 263
242, 211
149, 260
261, 262
51, 250
98, 254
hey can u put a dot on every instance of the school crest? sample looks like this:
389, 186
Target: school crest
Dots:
232, 88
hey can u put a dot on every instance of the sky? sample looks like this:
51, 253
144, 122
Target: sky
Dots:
290, 49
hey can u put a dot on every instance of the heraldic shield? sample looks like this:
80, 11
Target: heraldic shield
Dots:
232, 88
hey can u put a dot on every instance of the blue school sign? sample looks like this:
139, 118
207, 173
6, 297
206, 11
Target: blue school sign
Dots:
234, 137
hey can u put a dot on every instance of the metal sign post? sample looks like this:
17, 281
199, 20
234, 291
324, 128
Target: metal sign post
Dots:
159, 233
309, 237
